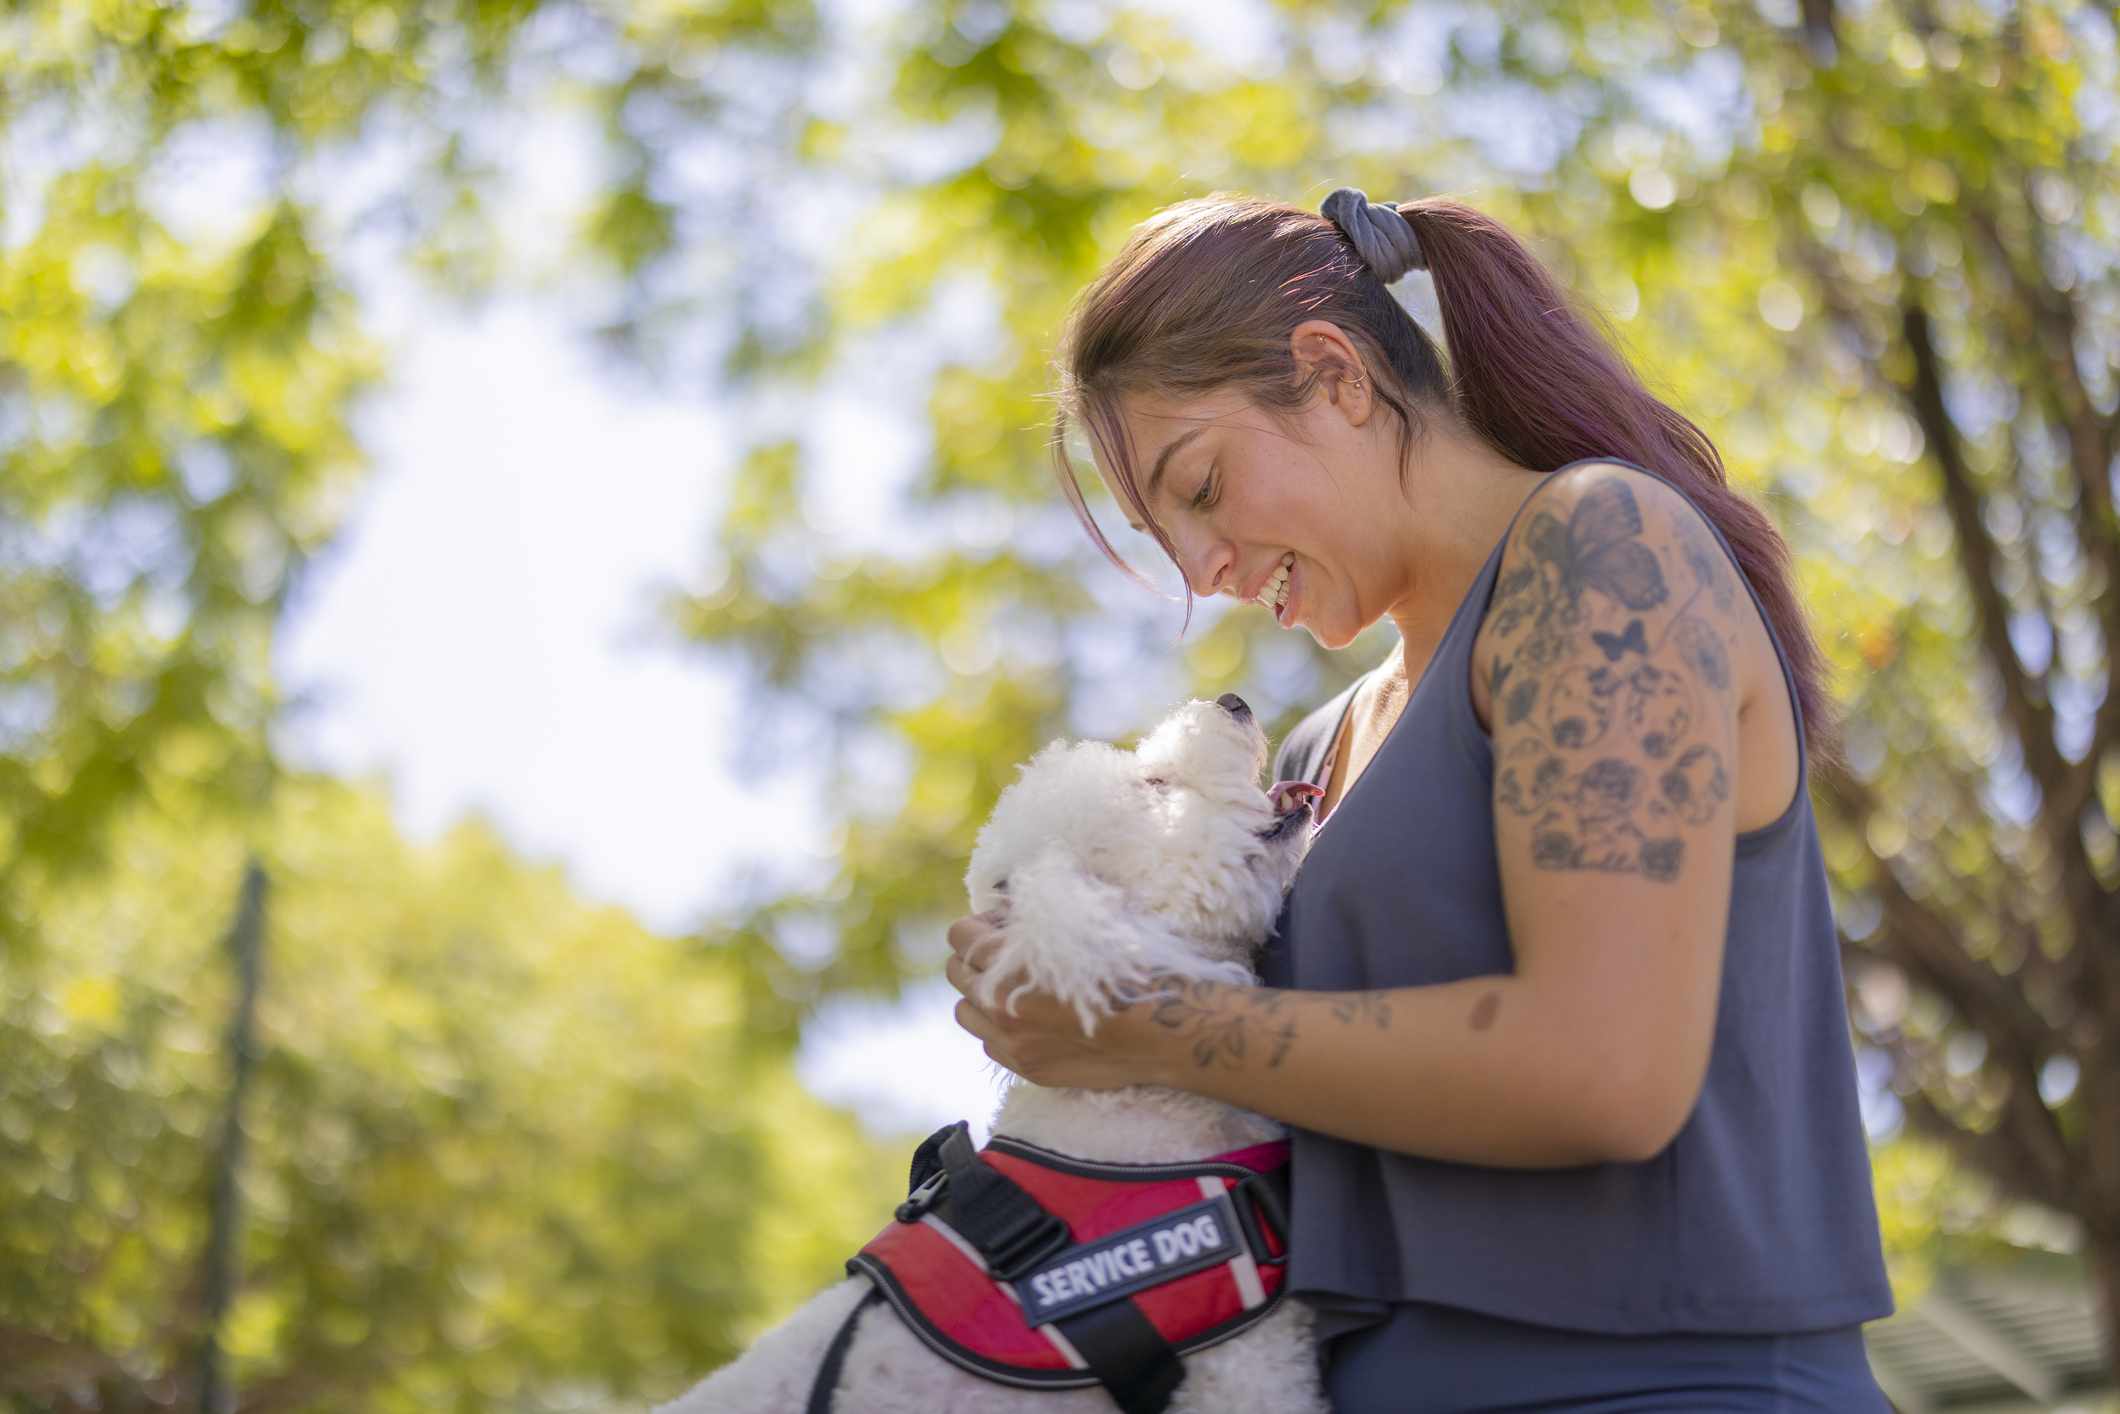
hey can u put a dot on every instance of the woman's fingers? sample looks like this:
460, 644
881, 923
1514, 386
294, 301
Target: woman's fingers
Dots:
971, 937
974, 1020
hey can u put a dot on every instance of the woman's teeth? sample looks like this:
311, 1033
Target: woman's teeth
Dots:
1276, 590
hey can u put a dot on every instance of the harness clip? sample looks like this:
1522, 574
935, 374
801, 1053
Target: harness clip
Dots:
924, 1197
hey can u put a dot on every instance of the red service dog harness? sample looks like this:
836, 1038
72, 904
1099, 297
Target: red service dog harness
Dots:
1044, 1271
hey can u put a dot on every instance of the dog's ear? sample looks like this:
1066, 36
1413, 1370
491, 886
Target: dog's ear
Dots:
1071, 934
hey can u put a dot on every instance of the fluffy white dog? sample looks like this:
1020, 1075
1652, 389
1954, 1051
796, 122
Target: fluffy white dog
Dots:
1115, 866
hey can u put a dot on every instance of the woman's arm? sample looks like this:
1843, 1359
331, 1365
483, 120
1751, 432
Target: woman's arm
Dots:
1613, 630
1483, 1070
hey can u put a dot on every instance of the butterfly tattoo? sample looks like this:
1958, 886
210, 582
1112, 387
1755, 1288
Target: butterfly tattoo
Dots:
1616, 645
1599, 549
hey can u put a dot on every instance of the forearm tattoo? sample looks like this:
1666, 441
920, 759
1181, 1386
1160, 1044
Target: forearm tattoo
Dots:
1602, 680
1227, 1027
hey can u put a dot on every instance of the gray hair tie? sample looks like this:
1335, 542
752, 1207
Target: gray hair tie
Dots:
1382, 237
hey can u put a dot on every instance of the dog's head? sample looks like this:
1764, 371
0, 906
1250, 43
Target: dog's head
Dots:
1115, 865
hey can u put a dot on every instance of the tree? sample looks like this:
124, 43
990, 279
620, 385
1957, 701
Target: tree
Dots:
178, 402
1978, 814
503, 1143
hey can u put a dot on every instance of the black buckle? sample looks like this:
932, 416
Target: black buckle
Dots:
1007, 1225
1263, 1189
1024, 1244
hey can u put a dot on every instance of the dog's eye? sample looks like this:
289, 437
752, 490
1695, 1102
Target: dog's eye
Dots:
1156, 781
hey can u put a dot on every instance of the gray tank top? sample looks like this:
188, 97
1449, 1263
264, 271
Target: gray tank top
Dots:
1757, 1217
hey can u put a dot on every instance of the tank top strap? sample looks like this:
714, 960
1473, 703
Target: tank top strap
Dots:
1306, 752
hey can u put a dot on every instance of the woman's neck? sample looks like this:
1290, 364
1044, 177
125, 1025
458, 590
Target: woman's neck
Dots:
1471, 494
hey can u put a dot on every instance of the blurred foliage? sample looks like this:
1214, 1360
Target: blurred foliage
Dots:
1870, 250
504, 1147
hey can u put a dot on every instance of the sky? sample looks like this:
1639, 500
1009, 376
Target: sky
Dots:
479, 635
475, 634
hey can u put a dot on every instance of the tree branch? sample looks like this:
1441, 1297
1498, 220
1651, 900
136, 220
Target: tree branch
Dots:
33, 1363
2055, 322
1926, 945
2093, 440
1988, 1151
2031, 718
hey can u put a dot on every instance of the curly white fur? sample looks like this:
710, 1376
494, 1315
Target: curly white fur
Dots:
1114, 865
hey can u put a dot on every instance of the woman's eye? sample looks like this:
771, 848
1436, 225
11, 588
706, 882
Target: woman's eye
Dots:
1200, 498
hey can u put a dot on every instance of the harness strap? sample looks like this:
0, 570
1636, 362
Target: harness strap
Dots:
1269, 1191
1127, 1354
1011, 1229
835, 1356
1013, 1233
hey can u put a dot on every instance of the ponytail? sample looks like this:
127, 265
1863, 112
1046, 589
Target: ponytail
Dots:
1531, 376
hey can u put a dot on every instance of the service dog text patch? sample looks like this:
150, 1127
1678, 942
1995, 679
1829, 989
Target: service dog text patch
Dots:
1131, 1260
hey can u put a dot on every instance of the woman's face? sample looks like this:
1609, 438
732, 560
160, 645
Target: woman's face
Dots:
1238, 496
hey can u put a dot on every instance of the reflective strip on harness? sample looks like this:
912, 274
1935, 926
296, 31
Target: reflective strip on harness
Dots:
1169, 1238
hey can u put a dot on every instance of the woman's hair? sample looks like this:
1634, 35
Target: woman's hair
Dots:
1207, 292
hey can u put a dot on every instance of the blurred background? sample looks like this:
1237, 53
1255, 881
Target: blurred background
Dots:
526, 554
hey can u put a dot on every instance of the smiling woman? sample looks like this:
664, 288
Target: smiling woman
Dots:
1554, 1007
1255, 402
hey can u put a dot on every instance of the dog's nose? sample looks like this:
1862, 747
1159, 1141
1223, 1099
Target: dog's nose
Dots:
1234, 705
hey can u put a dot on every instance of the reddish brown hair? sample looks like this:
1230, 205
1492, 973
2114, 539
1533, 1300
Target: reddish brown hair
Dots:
1206, 294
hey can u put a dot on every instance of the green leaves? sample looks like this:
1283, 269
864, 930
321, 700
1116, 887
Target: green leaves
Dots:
506, 1134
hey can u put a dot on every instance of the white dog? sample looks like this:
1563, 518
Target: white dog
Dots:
1115, 867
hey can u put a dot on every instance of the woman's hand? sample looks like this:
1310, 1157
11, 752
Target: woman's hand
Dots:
1037, 1037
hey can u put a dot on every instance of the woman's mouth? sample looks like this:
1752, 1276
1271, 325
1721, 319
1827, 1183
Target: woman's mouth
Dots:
1279, 592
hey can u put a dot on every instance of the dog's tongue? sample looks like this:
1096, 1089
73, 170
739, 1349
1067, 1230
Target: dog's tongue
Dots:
1291, 795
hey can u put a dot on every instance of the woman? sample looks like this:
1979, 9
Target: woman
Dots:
1554, 1009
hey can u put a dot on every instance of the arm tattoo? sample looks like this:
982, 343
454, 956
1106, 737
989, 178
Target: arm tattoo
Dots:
1601, 683
1227, 1027
1362, 1006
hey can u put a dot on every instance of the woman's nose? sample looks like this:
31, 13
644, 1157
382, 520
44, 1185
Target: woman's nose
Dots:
1206, 568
